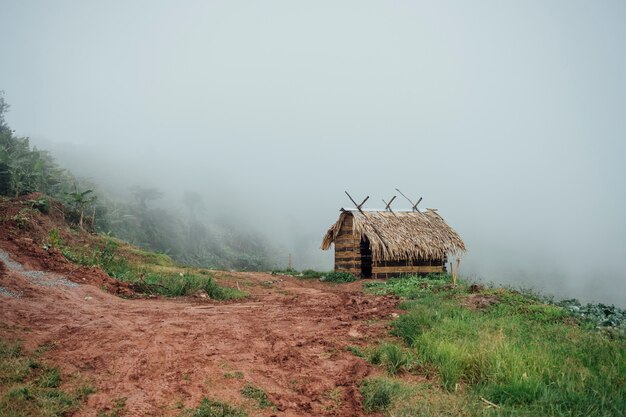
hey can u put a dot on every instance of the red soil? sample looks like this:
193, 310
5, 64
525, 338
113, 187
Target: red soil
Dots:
288, 337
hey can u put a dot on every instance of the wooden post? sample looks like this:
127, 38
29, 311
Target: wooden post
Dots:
452, 274
289, 264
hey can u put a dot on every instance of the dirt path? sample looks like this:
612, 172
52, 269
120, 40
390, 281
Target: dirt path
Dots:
288, 338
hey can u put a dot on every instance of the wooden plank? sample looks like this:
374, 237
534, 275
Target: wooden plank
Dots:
390, 263
407, 269
347, 249
353, 265
346, 244
347, 255
410, 262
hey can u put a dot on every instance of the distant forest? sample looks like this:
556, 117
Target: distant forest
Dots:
183, 236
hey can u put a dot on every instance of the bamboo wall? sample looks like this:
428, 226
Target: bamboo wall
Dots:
391, 269
347, 250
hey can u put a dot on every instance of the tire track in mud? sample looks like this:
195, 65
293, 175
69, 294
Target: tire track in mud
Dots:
288, 338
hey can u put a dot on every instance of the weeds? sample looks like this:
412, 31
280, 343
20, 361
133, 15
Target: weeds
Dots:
234, 375
378, 393
391, 356
257, 394
212, 408
338, 277
306, 274
41, 204
31, 388
146, 281
356, 351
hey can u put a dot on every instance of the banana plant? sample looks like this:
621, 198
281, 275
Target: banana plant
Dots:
81, 199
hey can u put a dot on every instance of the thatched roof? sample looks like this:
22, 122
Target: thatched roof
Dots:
401, 235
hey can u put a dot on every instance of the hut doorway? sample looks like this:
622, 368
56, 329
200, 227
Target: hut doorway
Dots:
366, 258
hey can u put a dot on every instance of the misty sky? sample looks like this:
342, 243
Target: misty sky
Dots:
509, 117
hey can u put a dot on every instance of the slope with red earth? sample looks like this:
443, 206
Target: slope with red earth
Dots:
288, 338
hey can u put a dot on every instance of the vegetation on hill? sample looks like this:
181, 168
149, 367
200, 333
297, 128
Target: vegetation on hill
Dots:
147, 272
30, 387
183, 236
493, 351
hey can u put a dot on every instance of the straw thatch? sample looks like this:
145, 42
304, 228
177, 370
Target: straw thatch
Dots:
401, 235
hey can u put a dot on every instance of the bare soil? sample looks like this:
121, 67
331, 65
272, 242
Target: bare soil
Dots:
288, 338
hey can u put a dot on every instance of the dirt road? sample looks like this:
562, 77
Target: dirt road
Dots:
288, 338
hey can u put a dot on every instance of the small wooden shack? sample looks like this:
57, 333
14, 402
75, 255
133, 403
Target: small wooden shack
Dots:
385, 244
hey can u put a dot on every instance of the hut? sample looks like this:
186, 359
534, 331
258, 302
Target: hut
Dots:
385, 244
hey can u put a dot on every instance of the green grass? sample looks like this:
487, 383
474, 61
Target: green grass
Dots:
212, 408
378, 393
527, 357
234, 375
257, 394
356, 351
146, 280
393, 358
288, 271
29, 387
338, 277
306, 274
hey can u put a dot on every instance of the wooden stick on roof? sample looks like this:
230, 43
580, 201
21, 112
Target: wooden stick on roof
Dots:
388, 205
358, 206
414, 206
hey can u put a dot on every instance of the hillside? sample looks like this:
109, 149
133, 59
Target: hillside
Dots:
93, 326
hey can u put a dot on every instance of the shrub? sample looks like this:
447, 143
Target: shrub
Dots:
338, 277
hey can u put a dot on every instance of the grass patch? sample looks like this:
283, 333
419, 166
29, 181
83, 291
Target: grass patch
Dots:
338, 277
212, 408
393, 358
526, 356
356, 351
306, 274
257, 394
288, 271
378, 393
148, 281
29, 387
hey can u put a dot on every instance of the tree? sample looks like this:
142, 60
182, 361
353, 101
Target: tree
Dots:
194, 203
81, 199
142, 195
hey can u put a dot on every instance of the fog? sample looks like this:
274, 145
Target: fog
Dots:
509, 117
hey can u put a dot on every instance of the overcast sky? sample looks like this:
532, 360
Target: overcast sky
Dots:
509, 117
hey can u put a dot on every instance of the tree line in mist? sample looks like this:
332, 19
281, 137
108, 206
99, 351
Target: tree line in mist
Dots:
182, 235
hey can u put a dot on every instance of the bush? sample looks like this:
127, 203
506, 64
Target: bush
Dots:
40, 204
338, 277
